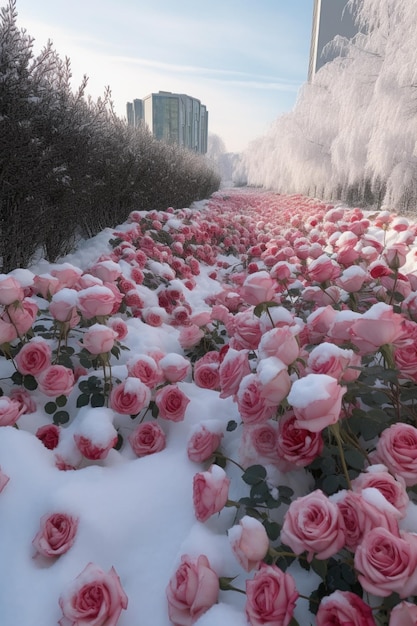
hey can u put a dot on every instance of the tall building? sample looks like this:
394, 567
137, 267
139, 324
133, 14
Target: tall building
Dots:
330, 18
172, 117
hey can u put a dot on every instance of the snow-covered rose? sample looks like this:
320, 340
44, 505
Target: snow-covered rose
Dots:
10, 290
56, 534
210, 492
96, 301
344, 607
249, 542
56, 380
202, 443
146, 369
10, 411
316, 400
130, 396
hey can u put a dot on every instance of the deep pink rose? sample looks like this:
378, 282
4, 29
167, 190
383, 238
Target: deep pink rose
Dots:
96, 301
316, 400
95, 598
202, 443
249, 542
387, 563
397, 449
146, 369
34, 356
10, 411
10, 290
270, 597
403, 614
314, 524
192, 590
295, 446
233, 368
172, 403
94, 450
56, 380
147, 439
252, 406
99, 339
130, 396
344, 608
210, 492
49, 435
56, 534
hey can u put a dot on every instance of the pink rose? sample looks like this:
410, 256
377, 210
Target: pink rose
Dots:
192, 590
316, 400
56, 535
393, 490
10, 411
146, 369
280, 343
130, 396
318, 323
295, 446
233, 368
403, 614
202, 443
344, 607
119, 326
270, 597
352, 279
34, 356
63, 306
154, 316
377, 327
323, 269
172, 403
147, 439
94, 450
96, 301
275, 380
210, 492
7, 332
10, 290
247, 331
397, 449
174, 367
23, 316
258, 287
387, 563
258, 444
56, 380
206, 374
327, 358
67, 274
107, 271
314, 524
190, 336
252, 406
99, 339
49, 435
249, 542
95, 598
45, 285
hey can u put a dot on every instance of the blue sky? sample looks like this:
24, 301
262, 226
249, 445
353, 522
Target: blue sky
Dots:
244, 60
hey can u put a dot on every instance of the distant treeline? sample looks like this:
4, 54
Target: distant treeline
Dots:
69, 167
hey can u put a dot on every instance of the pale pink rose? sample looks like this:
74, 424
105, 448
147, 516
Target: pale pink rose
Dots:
93, 450
314, 524
323, 269
56, 380
270, 597
327, 358
339, 331
99, 339
397, 449
275, 380
10, 411
322, 297
174, 367
377, 327
190, 336
63, 306
22, 316
146, 369
56, 534
67, 274
201, 319
206, 374
96, 301
154, 316
95, 598
352, 279
4, 479
49, 435
119, 326
295, 446
202, 443
221, 313
258, 444
147, 439
316, 400
7, 332
387, 564
130, 396
233, 368
247, 330
253, 408
258, 287
172, 403
108, 271
318, 323
210, 492
191, 591
45, 285
280, 343
344, 608
25, 399
249, 542
362, 511
392, 489
403, 614
10, 290
406, 356
396, 255
34, 356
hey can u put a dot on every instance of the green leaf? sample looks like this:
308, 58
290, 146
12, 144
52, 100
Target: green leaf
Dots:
231, 426
320, 567
17, 378
154, 409
262, 307
272, 529
83, 400
330, 484
97, 400
354, 458
293, 622
83, 386
254, 474
61, 417
50, 408
119, 442
30, 383
61, 400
